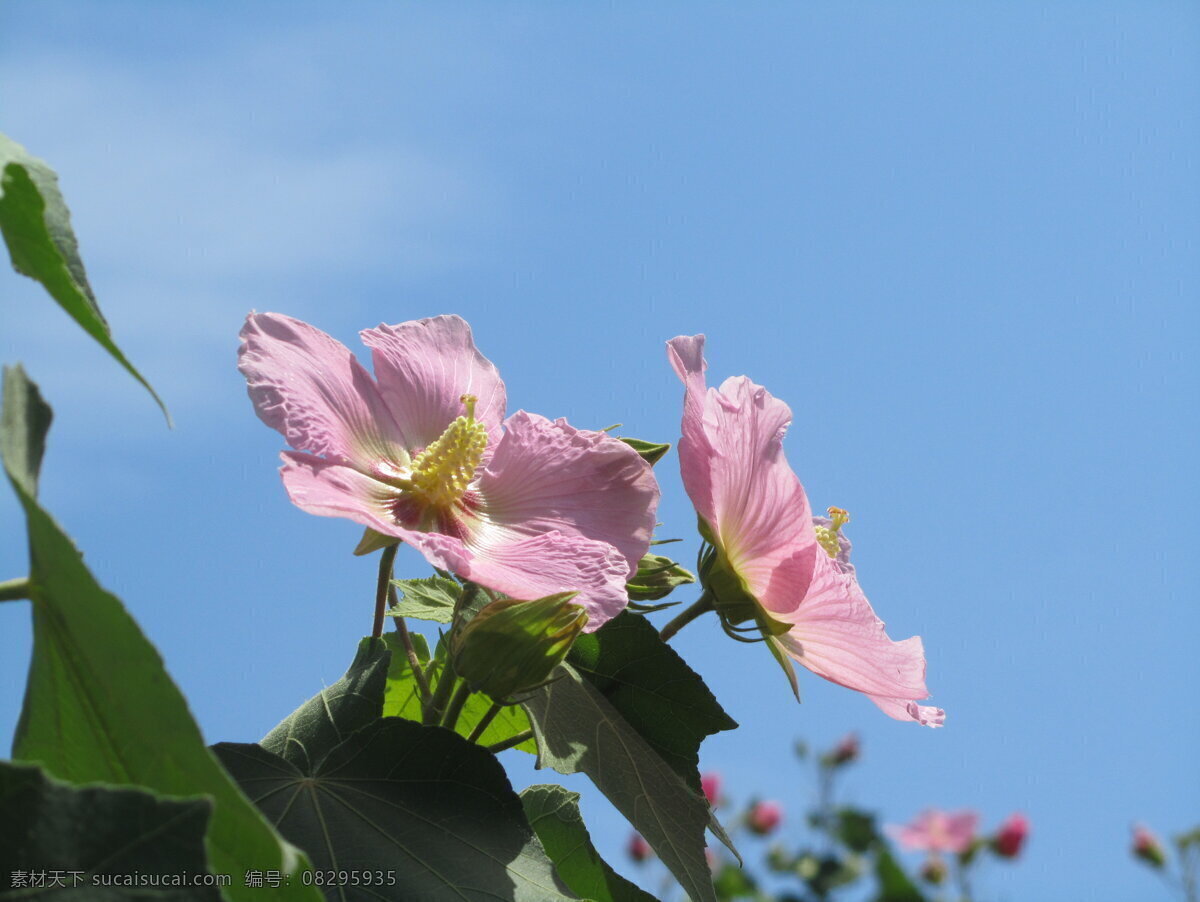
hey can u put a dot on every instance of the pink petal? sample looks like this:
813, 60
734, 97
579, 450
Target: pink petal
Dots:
903, 709
520, 567
424, 367
836, 635
536, 567
310, 388
734, 469
547, 477
330, 489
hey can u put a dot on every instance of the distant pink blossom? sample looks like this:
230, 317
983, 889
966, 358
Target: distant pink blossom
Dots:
1011, 835
639, 850
711, 784
764, 817
422, 453
793, 568
937, 831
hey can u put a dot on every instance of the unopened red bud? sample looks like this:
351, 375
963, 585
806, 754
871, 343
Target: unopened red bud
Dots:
639, 849
847, 749
1011, 836
711, 784
1147, 847
764, 817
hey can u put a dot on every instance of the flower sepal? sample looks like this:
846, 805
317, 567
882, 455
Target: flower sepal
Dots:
372, 541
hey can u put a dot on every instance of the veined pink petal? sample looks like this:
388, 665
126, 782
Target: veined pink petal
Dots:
310, 388
552, 477
903, 709
424, 367
521, 567
836, 635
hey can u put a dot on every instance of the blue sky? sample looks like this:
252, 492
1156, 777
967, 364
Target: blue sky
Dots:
960, 241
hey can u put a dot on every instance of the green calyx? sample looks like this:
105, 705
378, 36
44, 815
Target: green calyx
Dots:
514, 645
732, 600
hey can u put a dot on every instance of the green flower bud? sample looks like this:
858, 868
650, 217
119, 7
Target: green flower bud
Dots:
655, 578
513, 645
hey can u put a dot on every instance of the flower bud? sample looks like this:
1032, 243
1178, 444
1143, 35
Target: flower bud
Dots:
1147, 847
764, 817
639, 850
1011, 836
711, 784
656, 577
847, 750
933, 870
512, 645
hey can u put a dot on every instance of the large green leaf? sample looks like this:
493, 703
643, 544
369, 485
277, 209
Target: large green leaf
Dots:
415, 804
403, 700
577, 731
99, 706
36, 226
654, 690
88, 835
310, 732
553, 813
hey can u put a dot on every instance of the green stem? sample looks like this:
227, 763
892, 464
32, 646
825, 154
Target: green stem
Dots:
461, 694
441, 694
702, 605
485, 722
414, 663
14, 589
510, 742
381, 588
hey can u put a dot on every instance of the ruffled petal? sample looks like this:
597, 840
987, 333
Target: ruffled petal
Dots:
552, 477
836, 635
536, 567
310, 388
424, 367
527, 568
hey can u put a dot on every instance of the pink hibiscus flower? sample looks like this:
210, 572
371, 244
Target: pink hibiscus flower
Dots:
422, 453
773, 562
937, 831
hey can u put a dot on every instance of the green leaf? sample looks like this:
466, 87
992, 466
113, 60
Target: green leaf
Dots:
856, 829
36, 226
577, 731
402, 699
99, 706
418, 803
894, 884
553, 813
79, 832
656, 578
310, 732
432, 598
24, 422
651, 452
653, 689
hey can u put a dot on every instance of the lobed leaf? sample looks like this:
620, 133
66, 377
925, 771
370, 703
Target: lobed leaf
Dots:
432, 598
577, 730
553, 813
409, 802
